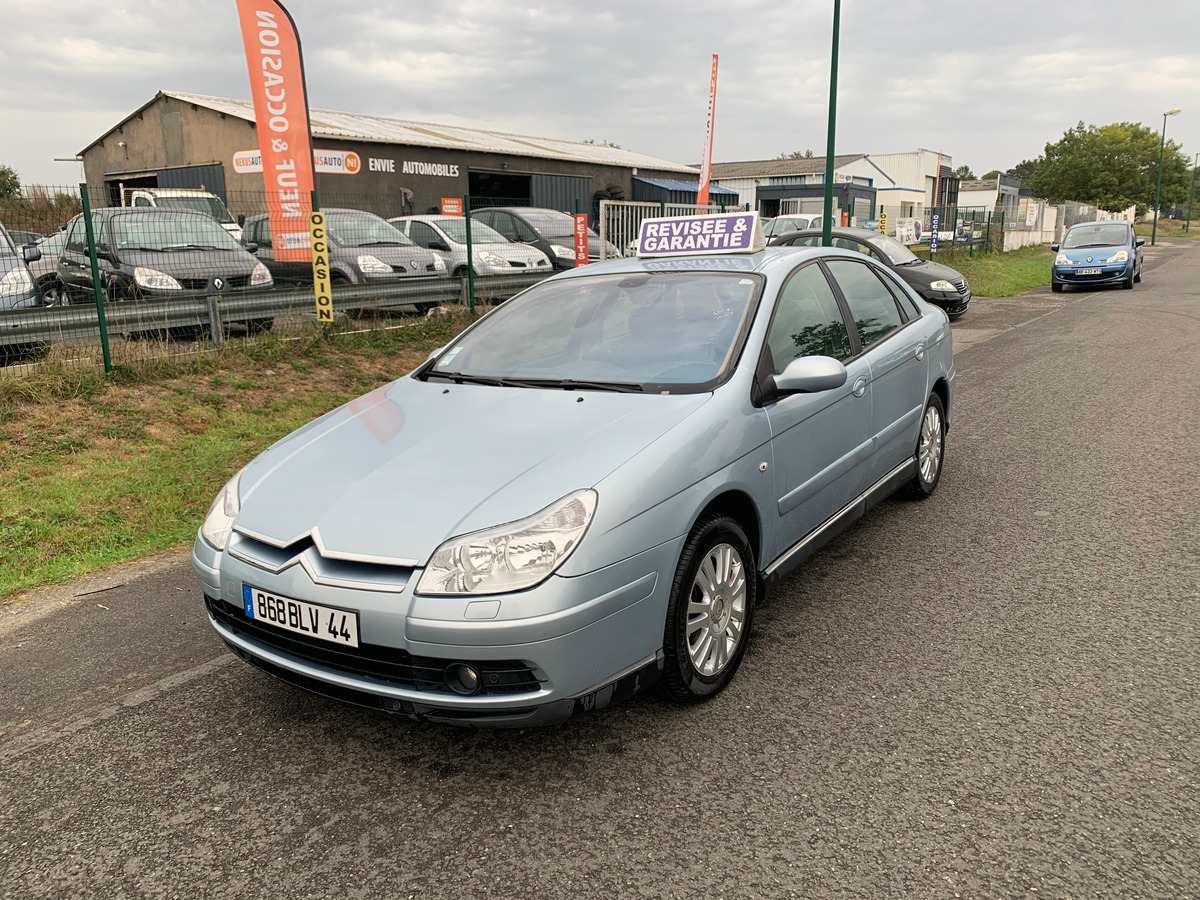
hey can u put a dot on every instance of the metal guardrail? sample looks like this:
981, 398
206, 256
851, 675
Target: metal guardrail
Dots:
213, 313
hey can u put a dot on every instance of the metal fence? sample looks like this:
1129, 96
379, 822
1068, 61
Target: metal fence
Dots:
154, 273
619, 221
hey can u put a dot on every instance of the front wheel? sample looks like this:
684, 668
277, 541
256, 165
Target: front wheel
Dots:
1127, 284
710, 610
931, 449
1056, 287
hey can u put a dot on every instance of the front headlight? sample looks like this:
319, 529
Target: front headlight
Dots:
154, 280
372, 265
510, 557
492, 259
1119, 256
1063, 260
562, 252
942, 286
15, 281
224, 510
261, 275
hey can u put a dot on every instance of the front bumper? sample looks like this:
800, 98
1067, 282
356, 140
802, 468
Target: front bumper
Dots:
577, 643
952, 302
1110, 273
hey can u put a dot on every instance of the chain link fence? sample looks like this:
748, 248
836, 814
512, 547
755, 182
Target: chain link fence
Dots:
152, 273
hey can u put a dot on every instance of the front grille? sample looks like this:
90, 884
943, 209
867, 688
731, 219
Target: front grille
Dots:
431, 267
233, 282
961, 285
516, 263
385, 663
399, 269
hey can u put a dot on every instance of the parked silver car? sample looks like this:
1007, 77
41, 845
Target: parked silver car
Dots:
491, 252
586, 491
45, 270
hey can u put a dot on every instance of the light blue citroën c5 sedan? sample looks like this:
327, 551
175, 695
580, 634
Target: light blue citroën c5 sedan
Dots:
585, 492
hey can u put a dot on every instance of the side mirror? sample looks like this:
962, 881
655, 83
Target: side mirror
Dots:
439, 245
1139, 242
1054, 247
807, 375
251, 247
241, 220
31, 253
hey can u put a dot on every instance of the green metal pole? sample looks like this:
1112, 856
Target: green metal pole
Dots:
1187, 226
826, 226
1158, 187
91, 239
470, 255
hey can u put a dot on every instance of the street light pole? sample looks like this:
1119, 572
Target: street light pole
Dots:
1187, 226
1158, 188
826, 226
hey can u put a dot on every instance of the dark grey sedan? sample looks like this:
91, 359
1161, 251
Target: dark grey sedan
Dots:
938, 284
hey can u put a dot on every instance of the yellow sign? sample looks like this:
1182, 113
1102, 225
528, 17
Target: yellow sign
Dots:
320, 261
883, 223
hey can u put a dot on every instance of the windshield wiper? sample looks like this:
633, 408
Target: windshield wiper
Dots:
464, 378
173, 247
564, 383
383, 243
570, 384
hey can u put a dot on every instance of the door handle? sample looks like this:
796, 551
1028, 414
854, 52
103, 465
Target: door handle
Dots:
860, 387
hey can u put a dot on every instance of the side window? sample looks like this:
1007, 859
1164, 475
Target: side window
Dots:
907, 305
99, 233
524, 232
141, 201
264, 233
76, 239
808, 320
421, 234
503, 223
813, 240
871, 303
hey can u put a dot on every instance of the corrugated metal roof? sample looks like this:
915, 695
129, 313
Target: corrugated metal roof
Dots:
354, 126
767, 168
685, 186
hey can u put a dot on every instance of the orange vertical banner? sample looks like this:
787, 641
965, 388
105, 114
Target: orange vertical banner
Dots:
706, 156
276, 66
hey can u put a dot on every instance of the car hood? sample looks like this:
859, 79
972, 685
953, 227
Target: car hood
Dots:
191, 263
396, 472
508, 250
392, 254
1094, 254
926, 272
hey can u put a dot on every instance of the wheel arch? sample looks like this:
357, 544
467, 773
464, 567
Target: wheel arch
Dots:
942, 389
740, 507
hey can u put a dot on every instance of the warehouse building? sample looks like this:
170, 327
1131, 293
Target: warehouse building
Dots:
391, 166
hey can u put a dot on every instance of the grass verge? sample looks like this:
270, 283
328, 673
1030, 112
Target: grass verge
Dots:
100, 471
1168, 228
1002, 274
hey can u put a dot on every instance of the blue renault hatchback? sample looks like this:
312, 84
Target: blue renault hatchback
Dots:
1098, 253
588, 490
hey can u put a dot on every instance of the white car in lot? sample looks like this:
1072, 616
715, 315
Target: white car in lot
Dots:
491, 252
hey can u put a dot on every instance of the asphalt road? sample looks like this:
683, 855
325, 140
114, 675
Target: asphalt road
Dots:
990, 694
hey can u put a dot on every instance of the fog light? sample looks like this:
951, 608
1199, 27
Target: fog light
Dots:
462, 678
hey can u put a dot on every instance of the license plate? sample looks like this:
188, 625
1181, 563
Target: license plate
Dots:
337, 626
1087, 271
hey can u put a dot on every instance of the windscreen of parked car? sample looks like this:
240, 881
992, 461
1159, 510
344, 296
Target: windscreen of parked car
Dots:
166, 232
638, 331
361, 229
456, 230
549, 223
1081, 236
7, 248
210, 206
893, 250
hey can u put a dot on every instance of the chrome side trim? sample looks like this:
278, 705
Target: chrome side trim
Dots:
315, 534
870, 495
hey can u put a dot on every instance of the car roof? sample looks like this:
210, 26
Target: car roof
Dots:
1101, 222
768, 261
110, 211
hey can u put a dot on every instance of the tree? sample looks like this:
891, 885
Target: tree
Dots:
10, 182
796, 154
1114, 166
995, 173
963, 173
1024, 169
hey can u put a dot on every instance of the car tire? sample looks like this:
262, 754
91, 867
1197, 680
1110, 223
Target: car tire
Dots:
931, 449
1056, 287
716, 572
54, 293
1137, 275
1127, 284
460, 272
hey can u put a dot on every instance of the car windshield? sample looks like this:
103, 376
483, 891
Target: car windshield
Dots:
361, 229
52, 244
637, 331
893, 249
164, 231
7, 248
456, 229
549, 223
1096, 236
208, 205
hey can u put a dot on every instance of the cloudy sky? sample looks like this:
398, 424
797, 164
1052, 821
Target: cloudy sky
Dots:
987, 83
